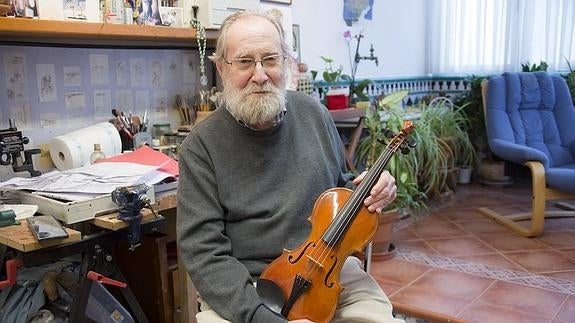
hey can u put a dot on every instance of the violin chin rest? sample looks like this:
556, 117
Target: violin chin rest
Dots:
271, 295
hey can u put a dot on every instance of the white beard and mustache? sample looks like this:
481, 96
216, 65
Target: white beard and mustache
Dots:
258, 109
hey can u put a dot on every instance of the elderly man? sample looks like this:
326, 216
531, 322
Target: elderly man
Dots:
250, 174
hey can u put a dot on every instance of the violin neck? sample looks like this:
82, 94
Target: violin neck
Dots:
351, 208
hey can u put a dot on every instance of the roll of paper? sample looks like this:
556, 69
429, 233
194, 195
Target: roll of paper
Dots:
73, 149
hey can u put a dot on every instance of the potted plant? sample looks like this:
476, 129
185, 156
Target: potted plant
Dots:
410, 201
337, 96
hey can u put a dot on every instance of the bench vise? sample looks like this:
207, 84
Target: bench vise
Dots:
131, 200
11, 147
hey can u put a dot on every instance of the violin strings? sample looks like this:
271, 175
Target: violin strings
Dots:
350, 208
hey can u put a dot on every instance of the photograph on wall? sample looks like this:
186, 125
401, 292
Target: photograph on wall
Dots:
23, 8
296, 50
149, 13
172, 16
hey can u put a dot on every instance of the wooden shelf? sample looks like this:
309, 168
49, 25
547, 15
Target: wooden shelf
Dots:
22, 30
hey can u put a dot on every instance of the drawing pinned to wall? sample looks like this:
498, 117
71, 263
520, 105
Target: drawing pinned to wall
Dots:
142, 102
99, 69
353, 10
124, 100
21, 116
189, 67
122, 73
138, 71
102, 103
172, 62
74, 100
77, 120
160, 103
46, 79
49, 120
15, 75
157, 74
72, 76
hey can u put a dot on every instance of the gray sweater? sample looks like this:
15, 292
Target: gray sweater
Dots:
245, 195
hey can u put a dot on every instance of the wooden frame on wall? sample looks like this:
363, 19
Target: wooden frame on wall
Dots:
278, 1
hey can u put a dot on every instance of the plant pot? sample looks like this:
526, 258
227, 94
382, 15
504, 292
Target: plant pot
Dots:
493, 171
382, 248
464, 176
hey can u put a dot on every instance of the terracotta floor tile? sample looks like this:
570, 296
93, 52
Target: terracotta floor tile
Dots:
450, 237
485, 200
524, 298
397, 271
495, 260
481, 227
467, 214
568, 252
405, 234
511, 242
454, 284
389, 287
441, 230
414, 246
509, 209
479, 312
431, 301
433, 219
567, 312
560, 224
559, 240
538, 261
464, 246
567, 275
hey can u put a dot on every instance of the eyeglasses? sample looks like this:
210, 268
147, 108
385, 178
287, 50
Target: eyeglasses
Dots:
248, 63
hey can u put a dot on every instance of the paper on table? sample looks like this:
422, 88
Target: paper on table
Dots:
100, 178
148, 156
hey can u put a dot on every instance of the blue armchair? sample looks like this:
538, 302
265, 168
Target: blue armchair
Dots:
530, 120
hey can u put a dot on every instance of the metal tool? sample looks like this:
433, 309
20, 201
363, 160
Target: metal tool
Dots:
131, 200
11, 147
8, 217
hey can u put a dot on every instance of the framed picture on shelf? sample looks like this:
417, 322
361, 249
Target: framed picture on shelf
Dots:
296, 49
278, 1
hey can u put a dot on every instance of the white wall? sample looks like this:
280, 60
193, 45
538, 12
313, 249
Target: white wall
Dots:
397, 33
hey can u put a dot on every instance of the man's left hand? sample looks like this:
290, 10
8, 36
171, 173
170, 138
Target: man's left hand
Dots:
382, 193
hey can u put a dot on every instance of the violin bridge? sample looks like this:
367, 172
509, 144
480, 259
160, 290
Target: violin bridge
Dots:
313, 261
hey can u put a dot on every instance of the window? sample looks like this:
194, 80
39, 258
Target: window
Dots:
483, 36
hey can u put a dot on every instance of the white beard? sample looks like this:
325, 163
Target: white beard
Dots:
254, 109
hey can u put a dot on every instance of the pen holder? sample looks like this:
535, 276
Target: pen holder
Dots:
201, 115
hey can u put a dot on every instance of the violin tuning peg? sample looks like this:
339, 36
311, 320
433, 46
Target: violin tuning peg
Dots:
411, 142
388, 133
405, 150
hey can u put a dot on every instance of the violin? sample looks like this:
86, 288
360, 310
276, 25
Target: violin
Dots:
304, 283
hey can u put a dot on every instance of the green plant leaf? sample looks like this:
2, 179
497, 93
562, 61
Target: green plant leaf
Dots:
393, 99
